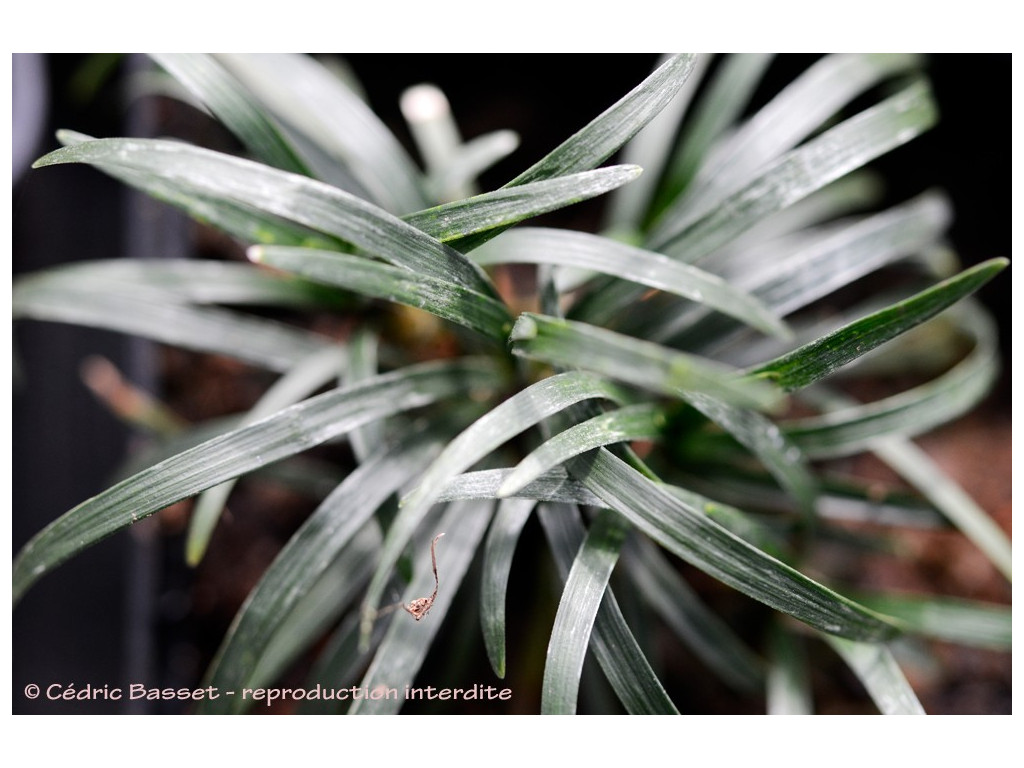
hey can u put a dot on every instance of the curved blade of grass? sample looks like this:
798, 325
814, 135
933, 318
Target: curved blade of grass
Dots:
914, 465
520, 412
533, 245
728, 91
321, 207
55, 296
319, 608
363, 346
577, 610
304, 379
554, 485
965, 622
602, 136
406, 643
698, 540
501, 542
640, 363
650, 150
796, 277
798, 110
700, 628
288, 432
818, 359
800, 172
304, 560
875, 667
788, 687
507, 206
195, 281
316, 102
450, 301
643, 421
780, 456
613, 645
913, 412
225, 97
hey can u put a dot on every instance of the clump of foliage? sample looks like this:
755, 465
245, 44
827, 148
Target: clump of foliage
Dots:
660, 393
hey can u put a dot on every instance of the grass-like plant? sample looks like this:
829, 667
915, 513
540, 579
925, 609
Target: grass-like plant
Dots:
669, 389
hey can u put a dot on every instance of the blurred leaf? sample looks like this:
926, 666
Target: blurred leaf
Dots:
289, 431
58, 295
307, 556
875, 667
797, 174
472, 158
967, 622
316, 102
224, 96
788, 688
300, 382
693, 622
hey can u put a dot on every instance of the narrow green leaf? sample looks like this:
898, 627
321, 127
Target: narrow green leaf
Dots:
406, 643
532, 245
339, 666
363, 349
507, 206
304, 379
701, 629
602, 136
554, 485
698, 540
797, 111
844, 431
798, 173
650, 150
965, 622
321, 207
450, 301
727, 92
788, 688
914, 465
225, 97
303, 562
792, 276
316, 102
515, 415
633, 422
818, 359
875, 667
577, 610
501, 542
616, 650
765, 440
194, 281
288, 432
644, 364
57, 296
318, 608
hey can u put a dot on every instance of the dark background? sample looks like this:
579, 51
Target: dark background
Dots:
87, 622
